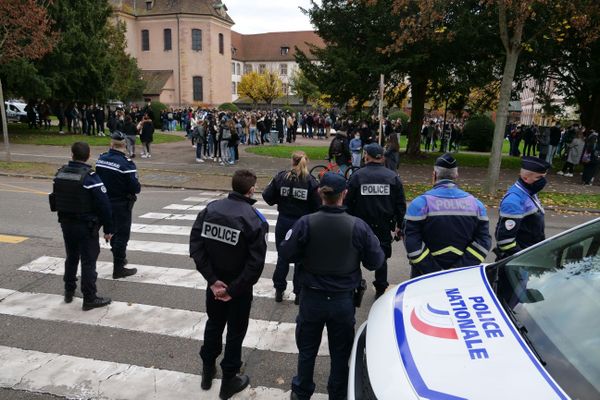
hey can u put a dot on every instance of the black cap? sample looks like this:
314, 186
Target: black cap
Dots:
535, 164
374, 150
334, 181
118, 136
446, 161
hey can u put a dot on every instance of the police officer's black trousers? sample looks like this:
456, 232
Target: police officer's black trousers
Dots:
317, 310
284, 224
381, 282
235, 314
122, 225
81, 243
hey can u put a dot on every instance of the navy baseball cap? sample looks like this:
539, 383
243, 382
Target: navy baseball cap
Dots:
334, 181
446, 161
534, 164
374, 150
118, 136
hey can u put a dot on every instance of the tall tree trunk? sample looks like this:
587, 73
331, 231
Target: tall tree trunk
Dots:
4, 124
510, 65
418, 90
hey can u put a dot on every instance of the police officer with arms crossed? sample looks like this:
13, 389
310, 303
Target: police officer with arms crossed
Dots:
445, 227
228, 244
330, 245
80, 198
119, 174
376, 195
521, 222
295, 193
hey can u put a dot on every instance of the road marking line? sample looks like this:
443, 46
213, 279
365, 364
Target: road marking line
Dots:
181, 249
182, 217
82, 378
172, 230
205, 199
24, 189
187, 207
262, 334
165, 276
12, 239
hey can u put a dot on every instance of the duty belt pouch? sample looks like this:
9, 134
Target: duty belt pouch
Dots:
52, 201
359, 292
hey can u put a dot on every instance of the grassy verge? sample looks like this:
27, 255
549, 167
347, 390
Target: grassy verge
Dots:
21, 134
317, 153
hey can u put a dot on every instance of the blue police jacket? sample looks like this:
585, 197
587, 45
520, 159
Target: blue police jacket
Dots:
119, 174
446, 227
293, 249
521, 222
294, 197
101, 204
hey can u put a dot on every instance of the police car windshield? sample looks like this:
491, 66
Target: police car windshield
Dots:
554, 291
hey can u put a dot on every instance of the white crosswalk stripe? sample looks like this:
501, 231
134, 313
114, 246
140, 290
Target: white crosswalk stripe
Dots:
172, 230
188, 207
207, 199
181, 217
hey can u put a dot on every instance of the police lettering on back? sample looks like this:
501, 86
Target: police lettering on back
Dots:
374, 189
296, 193
221, 233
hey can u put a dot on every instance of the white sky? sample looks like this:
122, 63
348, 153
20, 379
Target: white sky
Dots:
259, 16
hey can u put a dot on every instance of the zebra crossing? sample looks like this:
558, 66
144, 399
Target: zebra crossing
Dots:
160, 240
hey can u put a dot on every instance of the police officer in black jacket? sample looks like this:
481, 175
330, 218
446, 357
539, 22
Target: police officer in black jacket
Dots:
80, 198
119, 174
228, 244
376, 195
295, 193
330, 245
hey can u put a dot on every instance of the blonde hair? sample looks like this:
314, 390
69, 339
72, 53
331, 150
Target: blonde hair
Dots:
299, 166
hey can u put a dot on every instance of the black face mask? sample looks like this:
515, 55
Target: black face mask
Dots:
536, 186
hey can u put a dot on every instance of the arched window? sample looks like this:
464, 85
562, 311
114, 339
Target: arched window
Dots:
198, 95
167, 37
145, 40
221, 43
196, 39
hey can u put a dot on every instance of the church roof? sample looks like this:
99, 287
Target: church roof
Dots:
155, 80
141, 8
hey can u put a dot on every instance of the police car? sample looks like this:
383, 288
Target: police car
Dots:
527, 327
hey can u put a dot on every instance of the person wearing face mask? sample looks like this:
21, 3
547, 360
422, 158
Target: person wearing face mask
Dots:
521, 222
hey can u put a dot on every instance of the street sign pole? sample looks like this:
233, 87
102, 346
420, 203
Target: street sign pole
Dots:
4, 124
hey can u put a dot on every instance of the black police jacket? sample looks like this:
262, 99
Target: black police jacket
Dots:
376, 195
119, 174
294, 197
229, 243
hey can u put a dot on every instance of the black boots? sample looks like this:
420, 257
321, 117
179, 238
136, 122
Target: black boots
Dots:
278, 295
96, 303
234, 385
208, 374
123, 272
69, 296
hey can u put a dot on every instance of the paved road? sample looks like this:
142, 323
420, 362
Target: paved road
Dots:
145, 344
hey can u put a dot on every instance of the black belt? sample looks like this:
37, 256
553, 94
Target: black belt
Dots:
329, 294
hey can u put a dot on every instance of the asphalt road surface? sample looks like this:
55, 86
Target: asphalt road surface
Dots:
145, 344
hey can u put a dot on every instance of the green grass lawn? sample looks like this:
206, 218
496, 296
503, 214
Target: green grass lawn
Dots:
21, 134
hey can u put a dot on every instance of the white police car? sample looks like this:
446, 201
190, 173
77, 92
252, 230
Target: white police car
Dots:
527, 327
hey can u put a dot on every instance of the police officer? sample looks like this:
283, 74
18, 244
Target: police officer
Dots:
521, 222
228, 244
295, 193
445, 227
119, 174
330, 245
80, 198
376, 195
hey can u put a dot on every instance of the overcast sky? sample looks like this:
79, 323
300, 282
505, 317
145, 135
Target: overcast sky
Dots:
258, 16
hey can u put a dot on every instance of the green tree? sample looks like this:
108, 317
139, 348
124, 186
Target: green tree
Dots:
128, 84
304, 87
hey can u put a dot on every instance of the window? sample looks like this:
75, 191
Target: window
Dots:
198, 95
283, 70
196, 39
247, 68
262, 68
167, 37
285, 50
145, 40
237, 69
221, 43
148, 5
233, 88
232, 68
284, 87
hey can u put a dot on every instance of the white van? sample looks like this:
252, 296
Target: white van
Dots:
15, 111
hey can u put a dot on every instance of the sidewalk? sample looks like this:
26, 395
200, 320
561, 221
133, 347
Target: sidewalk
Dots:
174, 165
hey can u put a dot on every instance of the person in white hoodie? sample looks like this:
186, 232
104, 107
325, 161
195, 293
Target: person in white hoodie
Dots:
575, 150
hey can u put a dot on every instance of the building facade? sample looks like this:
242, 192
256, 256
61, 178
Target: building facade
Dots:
189, 55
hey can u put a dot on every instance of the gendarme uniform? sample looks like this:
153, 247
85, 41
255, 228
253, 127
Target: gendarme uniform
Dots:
294, 198
119, 174
521, 222
445, 227
80, 198
228, 243
330, 245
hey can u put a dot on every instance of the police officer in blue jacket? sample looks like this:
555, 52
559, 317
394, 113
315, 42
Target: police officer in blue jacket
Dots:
79, 197
295, 193
521, 222
119, 174
445, 227
376, 195
228, 244
330, 245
